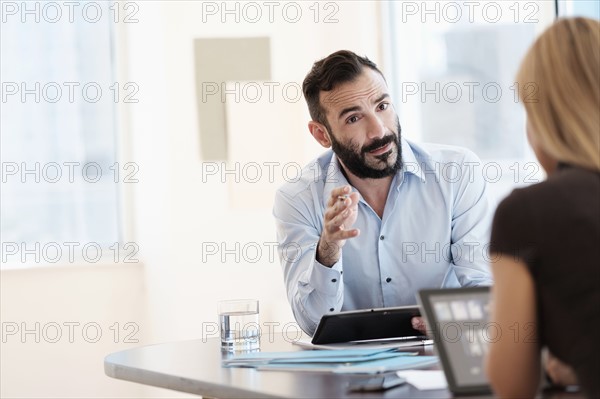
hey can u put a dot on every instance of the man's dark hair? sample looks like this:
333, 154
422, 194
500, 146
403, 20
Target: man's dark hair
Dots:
340, 67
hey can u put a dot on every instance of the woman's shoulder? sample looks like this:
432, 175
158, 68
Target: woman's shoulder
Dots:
567, 195
566, 184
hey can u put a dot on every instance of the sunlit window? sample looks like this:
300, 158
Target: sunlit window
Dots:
579, 8
453, 74
59, 168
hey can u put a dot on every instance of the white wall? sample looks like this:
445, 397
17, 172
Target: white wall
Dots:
176, 213
171, 212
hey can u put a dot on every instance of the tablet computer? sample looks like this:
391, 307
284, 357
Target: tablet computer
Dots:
459, 320
368, 324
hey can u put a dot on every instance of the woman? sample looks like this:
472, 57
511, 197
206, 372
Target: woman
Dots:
546, 237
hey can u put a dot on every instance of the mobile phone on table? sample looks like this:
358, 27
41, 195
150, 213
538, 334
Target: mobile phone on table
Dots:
371, 384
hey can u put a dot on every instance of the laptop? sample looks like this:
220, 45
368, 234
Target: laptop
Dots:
459, 320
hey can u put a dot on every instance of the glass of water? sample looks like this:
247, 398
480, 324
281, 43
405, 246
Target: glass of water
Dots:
238, 321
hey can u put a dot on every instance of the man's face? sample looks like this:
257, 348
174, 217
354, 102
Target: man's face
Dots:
363, 127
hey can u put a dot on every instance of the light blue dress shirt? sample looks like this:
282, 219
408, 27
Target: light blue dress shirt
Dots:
434, 233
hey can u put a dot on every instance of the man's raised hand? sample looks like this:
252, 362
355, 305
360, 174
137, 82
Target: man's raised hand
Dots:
340, 215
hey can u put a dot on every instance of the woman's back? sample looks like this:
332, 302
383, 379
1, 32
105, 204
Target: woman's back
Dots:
554, 227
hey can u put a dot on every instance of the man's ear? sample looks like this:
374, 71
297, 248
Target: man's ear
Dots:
320, 133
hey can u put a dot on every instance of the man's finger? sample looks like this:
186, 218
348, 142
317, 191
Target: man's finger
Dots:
330, 214
341, 217
334, 231
336, 201
419, 324
346, 234
338, 192
338, 208
354, 197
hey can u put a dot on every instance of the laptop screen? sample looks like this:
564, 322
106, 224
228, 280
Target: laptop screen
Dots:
459, 320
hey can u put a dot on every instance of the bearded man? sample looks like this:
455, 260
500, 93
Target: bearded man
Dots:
375, 218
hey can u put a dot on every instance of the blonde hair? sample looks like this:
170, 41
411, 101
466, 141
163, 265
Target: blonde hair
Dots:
559, 82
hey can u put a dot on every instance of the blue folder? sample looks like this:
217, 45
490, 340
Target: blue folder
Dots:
369, 361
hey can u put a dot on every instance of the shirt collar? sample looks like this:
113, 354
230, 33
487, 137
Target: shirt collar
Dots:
333, 177
409, 161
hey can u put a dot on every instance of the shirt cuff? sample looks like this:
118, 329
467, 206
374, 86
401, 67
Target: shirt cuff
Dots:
326, 280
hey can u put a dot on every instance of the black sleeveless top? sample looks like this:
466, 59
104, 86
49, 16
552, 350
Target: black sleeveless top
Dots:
554, 227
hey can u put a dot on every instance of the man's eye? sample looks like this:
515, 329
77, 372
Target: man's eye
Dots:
383, 106
353, 119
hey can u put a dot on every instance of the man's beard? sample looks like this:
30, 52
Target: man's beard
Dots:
355, 160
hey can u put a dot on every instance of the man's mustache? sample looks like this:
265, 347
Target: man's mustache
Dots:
378, 143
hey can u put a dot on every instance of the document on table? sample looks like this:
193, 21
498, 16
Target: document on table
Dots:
367, 361
371, 344
425, 380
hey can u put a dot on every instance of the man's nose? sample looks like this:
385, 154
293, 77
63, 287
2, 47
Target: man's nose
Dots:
376, 127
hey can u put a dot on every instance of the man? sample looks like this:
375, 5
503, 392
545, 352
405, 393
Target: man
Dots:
377, 218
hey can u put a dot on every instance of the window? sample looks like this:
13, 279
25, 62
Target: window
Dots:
58, 142
579, 8
453, 66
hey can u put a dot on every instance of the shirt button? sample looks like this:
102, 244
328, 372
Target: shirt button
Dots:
331, 309
382, 237
333, 280
387, 280
342, 272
